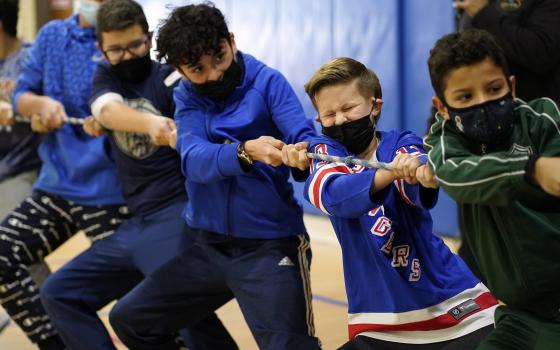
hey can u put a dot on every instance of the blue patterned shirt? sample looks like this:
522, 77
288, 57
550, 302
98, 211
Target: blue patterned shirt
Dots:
60, 65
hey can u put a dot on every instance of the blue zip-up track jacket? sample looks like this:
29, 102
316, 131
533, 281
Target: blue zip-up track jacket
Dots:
223, 197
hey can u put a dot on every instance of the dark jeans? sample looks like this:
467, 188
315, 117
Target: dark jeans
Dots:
111, 268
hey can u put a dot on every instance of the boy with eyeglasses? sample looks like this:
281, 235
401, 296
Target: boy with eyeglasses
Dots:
132, 99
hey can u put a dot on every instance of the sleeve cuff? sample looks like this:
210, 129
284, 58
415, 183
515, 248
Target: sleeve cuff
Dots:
300, 175
228, 163
102, 100
428, 196
530, 171
15, 98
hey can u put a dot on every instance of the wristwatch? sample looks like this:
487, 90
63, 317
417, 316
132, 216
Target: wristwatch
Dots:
243, 155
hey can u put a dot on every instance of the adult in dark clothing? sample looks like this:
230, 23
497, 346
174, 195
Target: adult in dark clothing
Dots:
529, 33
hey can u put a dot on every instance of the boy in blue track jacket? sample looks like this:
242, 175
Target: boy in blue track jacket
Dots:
233, 116
405, 288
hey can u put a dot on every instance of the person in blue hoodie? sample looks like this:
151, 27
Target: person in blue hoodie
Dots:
233, 116
77, 187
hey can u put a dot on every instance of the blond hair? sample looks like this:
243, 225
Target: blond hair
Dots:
344, 70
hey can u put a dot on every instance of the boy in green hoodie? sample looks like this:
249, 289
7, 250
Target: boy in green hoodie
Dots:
499, 158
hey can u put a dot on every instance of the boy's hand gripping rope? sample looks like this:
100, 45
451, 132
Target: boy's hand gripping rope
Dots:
349, 161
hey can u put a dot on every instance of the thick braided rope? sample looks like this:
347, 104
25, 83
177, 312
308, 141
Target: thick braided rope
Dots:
349, 161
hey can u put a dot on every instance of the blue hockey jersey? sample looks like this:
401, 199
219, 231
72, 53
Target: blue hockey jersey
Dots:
402, 282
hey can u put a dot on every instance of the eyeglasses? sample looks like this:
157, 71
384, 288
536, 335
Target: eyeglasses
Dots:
510, 5
136, 48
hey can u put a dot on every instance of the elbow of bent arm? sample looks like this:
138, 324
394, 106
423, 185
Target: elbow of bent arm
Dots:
104, 117
481, 196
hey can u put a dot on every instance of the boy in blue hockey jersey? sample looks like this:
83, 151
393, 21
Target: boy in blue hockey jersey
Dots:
404, 285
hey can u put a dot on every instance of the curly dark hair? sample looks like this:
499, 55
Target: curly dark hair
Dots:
190, 32
118, 15
461, 49
9, 16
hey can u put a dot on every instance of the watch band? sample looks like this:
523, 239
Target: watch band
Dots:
243, 155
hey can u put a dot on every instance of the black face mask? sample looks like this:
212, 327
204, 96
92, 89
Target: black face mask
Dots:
489, 123
355, 135
133, 70
221, 89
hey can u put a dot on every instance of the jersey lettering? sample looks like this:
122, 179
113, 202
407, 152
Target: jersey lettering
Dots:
321, 149
381, 226
415, 275
376, 210
358, 169
400, 256
387, 247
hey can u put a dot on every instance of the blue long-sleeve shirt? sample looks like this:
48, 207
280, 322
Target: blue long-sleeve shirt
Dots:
60, 65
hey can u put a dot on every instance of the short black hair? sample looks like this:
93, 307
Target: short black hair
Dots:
9, 16
118, 15
461, 49
190, 32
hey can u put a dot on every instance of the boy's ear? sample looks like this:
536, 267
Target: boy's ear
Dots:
232, 43
440, 106
377, 106
512, 84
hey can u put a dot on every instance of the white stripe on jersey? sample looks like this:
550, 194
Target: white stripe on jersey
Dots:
395, 318
320, 176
